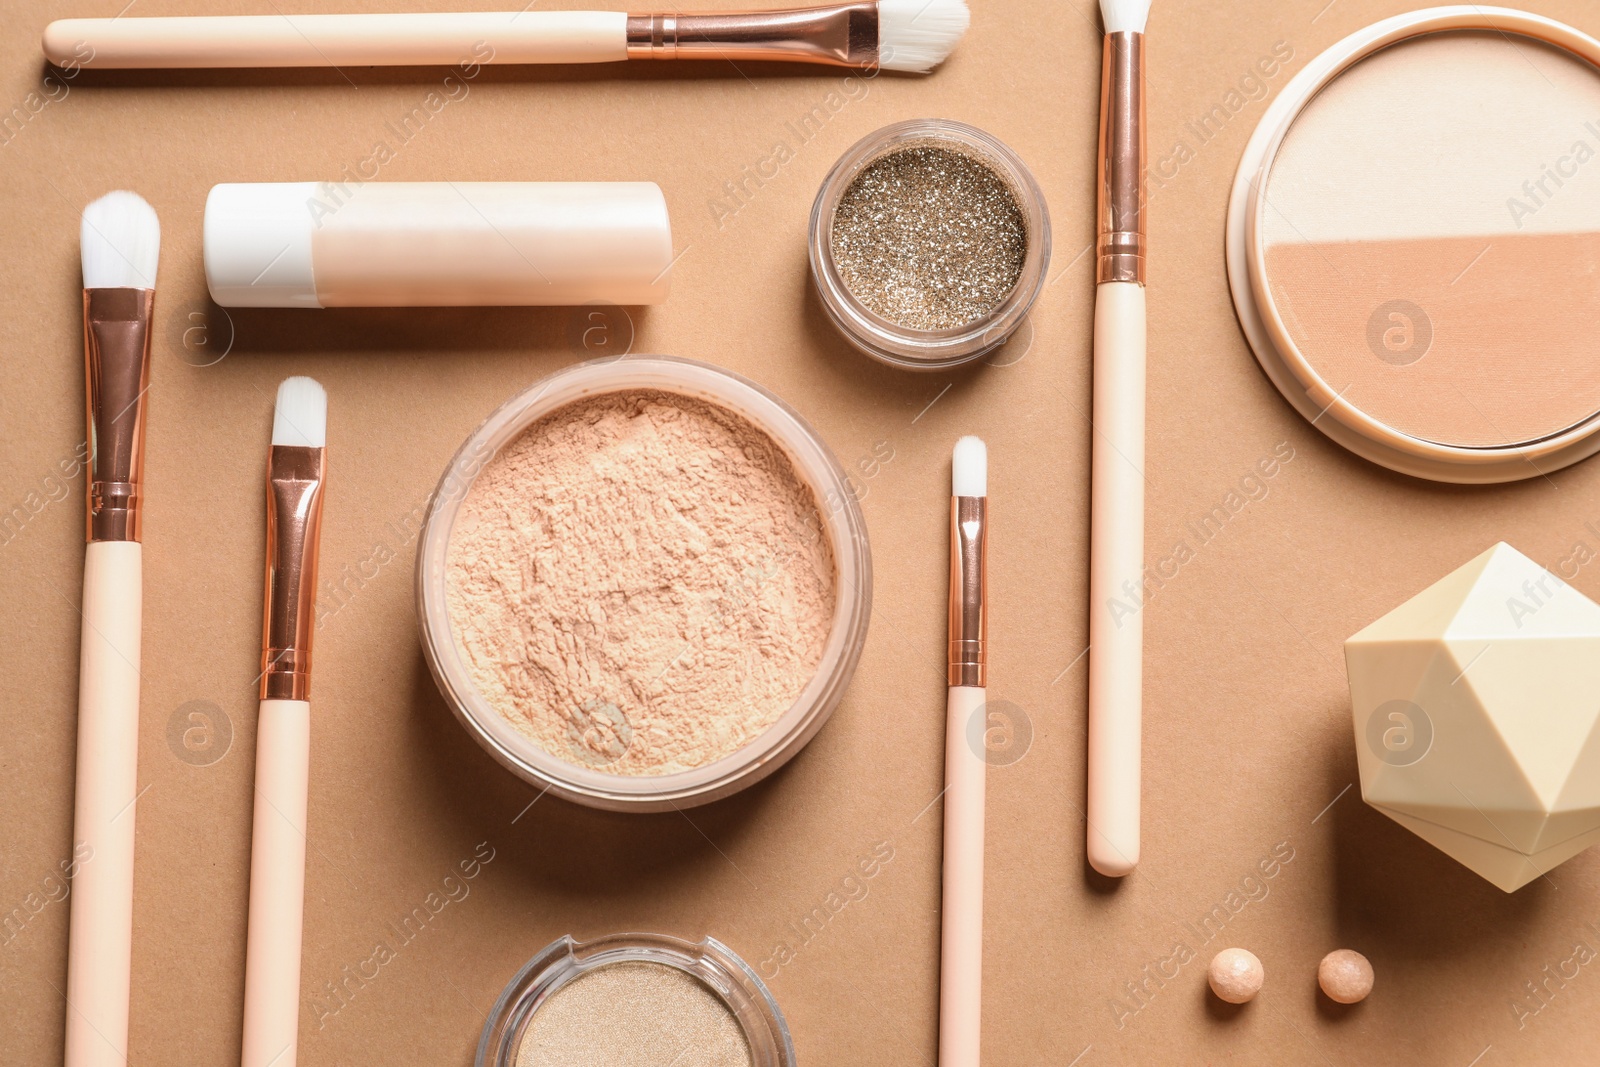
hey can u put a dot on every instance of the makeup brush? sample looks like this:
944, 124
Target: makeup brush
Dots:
961, 939
903, 35
296, 471
120, 242
1116, 532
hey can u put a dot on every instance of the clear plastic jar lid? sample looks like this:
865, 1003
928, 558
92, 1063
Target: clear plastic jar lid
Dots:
842, 523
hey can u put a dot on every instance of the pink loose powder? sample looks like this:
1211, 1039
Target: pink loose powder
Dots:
639, 583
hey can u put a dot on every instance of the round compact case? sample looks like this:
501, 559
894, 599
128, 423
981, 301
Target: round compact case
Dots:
616, 999
1413, 250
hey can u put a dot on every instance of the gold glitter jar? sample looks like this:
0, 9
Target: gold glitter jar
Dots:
929, 243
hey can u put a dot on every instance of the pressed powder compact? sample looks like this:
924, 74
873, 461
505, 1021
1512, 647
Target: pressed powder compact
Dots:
644, 583
929, 242
1413, 242
635, 1000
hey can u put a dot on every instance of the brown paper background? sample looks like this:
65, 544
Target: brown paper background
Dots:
1247, 739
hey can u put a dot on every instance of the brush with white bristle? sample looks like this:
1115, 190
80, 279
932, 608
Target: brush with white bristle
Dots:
965, 760
119, 240
901, 35
1116, 508
296, 471
1124, 16
301, 415
969, 468
917, 35
119, 244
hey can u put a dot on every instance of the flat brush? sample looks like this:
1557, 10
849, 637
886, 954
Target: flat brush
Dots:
1116, 505
120, 241
296, 471
965, 762
901, 35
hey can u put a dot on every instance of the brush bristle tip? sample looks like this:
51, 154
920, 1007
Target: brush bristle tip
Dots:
969, 468
917, 35
1124, 16
301, 416
119, 240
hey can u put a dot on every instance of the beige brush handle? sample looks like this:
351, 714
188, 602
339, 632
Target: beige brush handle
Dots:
961, 935
421, 39
100, 933
277, 885
1116, 565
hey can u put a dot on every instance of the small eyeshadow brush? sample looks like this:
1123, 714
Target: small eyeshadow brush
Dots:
296, 473
965, 760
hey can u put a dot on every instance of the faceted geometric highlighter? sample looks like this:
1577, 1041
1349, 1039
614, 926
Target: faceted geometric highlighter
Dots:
1476, 706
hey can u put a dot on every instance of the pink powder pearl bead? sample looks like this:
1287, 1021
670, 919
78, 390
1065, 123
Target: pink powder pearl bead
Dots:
1345, 975
1236, 975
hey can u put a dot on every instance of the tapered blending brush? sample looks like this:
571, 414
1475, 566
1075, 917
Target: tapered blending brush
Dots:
965, 762
901, 35
1116, 531
296, 472
120, 243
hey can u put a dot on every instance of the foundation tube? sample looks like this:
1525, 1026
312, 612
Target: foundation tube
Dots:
437, 244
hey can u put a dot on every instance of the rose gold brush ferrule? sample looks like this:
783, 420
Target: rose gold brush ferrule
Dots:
842, 36
1122, 156
969, 580
295, 476
116, 353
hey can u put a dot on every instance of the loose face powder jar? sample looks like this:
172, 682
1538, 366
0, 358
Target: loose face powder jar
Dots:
929, 242
635, 1000
1414, 238
643, 583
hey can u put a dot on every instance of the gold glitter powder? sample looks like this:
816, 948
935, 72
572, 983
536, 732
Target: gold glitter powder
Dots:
634, 1014
929, 238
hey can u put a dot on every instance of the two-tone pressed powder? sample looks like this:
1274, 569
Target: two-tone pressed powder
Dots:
1413, 242
929, 242
643, 583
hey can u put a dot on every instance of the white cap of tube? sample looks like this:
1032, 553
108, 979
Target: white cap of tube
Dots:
437, 244
258, 245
